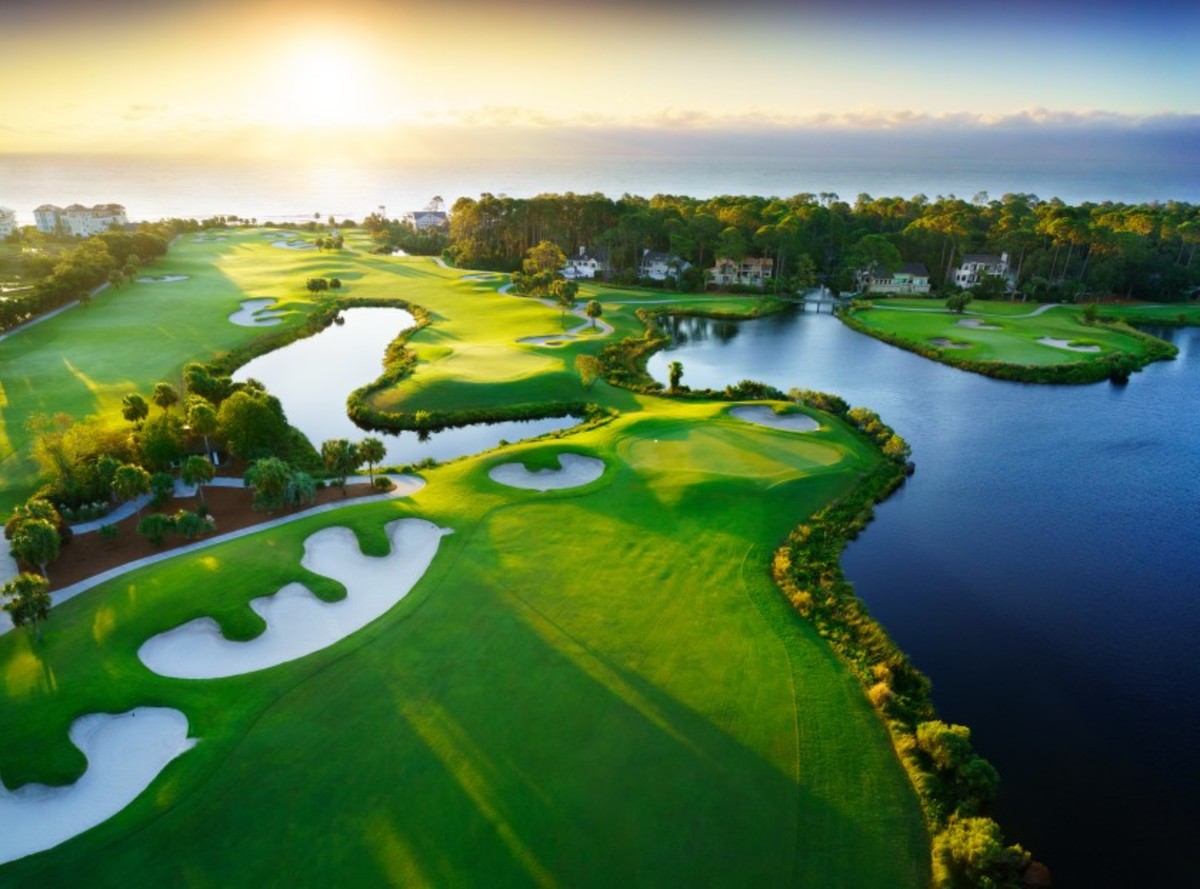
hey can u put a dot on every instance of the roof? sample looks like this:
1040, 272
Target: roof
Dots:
597, 255
48, 208
917, 269
652, 256
983, 258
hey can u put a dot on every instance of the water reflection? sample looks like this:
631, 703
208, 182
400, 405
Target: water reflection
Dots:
312, 378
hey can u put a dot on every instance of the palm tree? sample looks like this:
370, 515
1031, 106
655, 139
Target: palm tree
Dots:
371, 450
29, 600
196, 471
165, 395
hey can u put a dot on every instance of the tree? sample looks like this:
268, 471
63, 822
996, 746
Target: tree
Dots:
970, 852
134, 408
155, 527
202, 419
545, 257
593, 310
564, 292
268, 477
197, 471
28, 601
371, 450
165, 396
675, 374
160, 443
340, 458
957, 302
316, 285
162, 489
252, 424
36, 542
130, 481
301, 490
116, 278
590, 368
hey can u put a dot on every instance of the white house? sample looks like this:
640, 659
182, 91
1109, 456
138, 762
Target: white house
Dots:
8, 222
750, 272
427, 220
586, 264
78, 220
911, 277
659, 266
976, 265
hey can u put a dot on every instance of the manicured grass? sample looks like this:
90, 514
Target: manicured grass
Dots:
1015, 341
1141, 313
588, 688
86, 360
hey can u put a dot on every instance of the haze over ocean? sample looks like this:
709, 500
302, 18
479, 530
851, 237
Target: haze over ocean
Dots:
1095, 166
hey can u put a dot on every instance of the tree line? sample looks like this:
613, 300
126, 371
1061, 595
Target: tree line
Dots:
1056, 251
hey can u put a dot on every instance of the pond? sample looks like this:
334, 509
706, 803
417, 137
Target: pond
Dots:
312, 378
1042, 568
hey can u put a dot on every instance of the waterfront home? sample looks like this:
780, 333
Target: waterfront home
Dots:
752, 271
659, 266
586, 264
910, 278
976, 265
8, 222
427, 220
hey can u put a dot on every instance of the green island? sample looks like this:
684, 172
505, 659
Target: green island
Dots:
1051, 343
598, 684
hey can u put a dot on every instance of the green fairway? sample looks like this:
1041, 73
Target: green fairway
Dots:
1003, 336
589, 687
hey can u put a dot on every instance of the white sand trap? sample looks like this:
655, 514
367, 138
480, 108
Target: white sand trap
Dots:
1066, 344
762, 415
125, 753
298, 623
165, 279
944, 343
293, 245
479, 278
977, 324
576, 470
252, 314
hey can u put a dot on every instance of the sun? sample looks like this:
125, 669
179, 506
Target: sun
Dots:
318, 83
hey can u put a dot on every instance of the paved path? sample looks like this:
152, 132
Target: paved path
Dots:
406, 485
941, 311
46, 317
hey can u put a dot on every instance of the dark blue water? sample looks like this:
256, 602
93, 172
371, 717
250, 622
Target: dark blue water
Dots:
1042, 567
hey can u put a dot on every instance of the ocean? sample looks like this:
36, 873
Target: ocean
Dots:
153, 188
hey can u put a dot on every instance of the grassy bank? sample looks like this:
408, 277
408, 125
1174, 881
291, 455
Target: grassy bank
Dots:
1012, 341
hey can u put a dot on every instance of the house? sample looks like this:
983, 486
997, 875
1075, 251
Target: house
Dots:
78, 220
8, 222
749, 272
659, 266
586, 264
427, 220
976, 265
910, 278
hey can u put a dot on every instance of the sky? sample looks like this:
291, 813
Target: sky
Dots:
246, 77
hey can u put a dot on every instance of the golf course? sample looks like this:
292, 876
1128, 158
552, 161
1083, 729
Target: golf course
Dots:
1020, 341
581, 674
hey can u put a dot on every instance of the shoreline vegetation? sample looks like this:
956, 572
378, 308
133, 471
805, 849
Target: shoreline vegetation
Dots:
952, 783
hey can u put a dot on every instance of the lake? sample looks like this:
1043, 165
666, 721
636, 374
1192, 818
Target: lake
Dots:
1042, 568
313, 376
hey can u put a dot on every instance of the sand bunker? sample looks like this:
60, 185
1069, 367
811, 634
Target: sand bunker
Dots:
576, 470
125, 753
1066, 344
293, 245
203, 239
552, 341
977, 324
762, 415
479, 278
943, 343
252, 314
165, 279
298, 623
